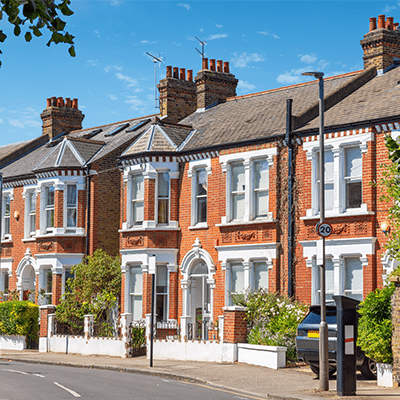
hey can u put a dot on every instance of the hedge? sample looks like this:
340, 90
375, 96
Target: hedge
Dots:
19, 318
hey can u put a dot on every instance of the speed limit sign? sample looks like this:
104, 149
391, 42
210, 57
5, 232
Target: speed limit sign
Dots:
324, 229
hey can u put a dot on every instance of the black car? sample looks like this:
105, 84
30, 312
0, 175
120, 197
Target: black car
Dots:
307, 343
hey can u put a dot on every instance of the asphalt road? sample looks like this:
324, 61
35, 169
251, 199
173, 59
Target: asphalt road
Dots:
20, 381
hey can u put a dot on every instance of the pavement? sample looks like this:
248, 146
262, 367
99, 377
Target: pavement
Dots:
293, 383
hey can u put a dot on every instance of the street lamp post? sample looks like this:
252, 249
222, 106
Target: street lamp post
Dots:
323, 327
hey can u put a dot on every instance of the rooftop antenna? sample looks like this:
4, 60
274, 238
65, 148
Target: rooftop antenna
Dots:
203, 43
156, 60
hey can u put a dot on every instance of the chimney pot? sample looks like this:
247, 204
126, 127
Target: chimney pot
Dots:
389, 23
381, 21
226, 67
395, 25
48, 102
60, 102
219, 65
212, 65
190, 75
205, 63
169, 71
54, 101
68, 102
372, 24
182, 74
176, 72
75, 103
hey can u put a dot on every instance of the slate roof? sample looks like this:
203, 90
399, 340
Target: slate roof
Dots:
256, 116
378, 99
8, 149
78, 153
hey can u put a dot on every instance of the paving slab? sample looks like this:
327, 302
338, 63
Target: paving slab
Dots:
296, 383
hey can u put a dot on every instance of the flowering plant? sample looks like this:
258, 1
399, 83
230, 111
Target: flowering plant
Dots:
272, 319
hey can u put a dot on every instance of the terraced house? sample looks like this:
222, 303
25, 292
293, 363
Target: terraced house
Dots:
219, 191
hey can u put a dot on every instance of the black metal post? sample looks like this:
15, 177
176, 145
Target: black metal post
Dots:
153, 276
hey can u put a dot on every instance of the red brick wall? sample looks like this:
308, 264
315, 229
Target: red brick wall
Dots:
235, 326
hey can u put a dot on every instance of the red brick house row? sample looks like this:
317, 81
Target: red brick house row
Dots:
202, 190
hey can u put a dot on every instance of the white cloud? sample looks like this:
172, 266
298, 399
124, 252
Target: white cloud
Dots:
294, 76
112, 96
147, 42
93, 63
201, 30
134, 102
18, 123
2, 109
110, 67
1, 120
115, 2
263, 33
217, 36
244, 85
308, 58
219, 26
388, 9
242, 60
275, 36
130, 82
187, 6
322, 64
97, 33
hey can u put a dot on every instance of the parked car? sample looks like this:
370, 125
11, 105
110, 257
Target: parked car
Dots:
307, 343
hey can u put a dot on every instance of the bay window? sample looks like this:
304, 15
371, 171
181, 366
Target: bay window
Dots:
71, 207
49, 207
137, 209
136, 292
163, 193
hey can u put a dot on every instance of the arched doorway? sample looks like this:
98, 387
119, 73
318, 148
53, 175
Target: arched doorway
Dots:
26, 277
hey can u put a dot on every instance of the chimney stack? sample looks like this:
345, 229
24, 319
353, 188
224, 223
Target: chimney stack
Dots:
61, 116
381, 45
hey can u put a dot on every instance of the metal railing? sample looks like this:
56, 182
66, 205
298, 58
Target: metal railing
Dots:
73, 328
204, 330
167, 330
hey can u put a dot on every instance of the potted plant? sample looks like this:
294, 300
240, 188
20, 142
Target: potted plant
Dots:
375, 332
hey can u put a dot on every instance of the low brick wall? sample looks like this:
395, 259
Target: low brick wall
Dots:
396, 331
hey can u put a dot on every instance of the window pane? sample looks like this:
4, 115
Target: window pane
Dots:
71, 196
329, 196
136, 280
71, 218
201, 182
138, 212
32, 223
163, 211
237, 278
329, 279
260, 275
202, 209
353, 162
353, 194
136, 307
354, 275
6, 206
163, 184
49, 218
6, 282
329, 174
32, 202
49, 196
138, 187
48, 281
199, 269
261, 174
162, 277
237, 206
238, 181
7, 225
261, 201
68, 275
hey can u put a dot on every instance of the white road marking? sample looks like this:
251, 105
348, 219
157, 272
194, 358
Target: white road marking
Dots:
23, 373
40, 376
68, 390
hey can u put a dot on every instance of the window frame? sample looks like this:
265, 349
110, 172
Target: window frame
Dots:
48, 208
135, 200
6, 217
256, 191
45, 272
134, 294
350, 179
29, 194
165, 295
70, 229
167, 198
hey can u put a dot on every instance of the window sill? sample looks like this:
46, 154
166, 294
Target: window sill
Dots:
354, 213
150, 228
252, 222
57, 234
6, 241
198, 226
29, 239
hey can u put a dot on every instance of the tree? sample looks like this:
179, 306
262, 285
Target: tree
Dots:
94, 289
391, 195
40, 14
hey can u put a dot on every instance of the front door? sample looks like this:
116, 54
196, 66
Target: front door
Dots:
201, 305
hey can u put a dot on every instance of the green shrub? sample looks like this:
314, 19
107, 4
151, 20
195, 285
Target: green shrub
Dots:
272, 319
375, 325
19, 318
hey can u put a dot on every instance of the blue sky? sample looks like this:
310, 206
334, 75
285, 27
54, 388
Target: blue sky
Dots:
268, 44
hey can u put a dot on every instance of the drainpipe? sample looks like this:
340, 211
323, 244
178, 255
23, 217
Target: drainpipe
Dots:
88, 194
290, 197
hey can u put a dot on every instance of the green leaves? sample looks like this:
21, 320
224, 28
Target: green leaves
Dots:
42, 14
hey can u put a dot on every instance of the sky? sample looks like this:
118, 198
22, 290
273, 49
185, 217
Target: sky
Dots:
268, 44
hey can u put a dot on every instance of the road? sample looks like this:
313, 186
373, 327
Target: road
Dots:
23, 381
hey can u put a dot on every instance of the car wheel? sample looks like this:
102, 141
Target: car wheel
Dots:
368, 369
315, 369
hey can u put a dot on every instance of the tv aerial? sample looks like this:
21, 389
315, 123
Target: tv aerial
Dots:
157, 60
202, 43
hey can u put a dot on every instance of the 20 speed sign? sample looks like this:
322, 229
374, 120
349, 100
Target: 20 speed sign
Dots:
324, 229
